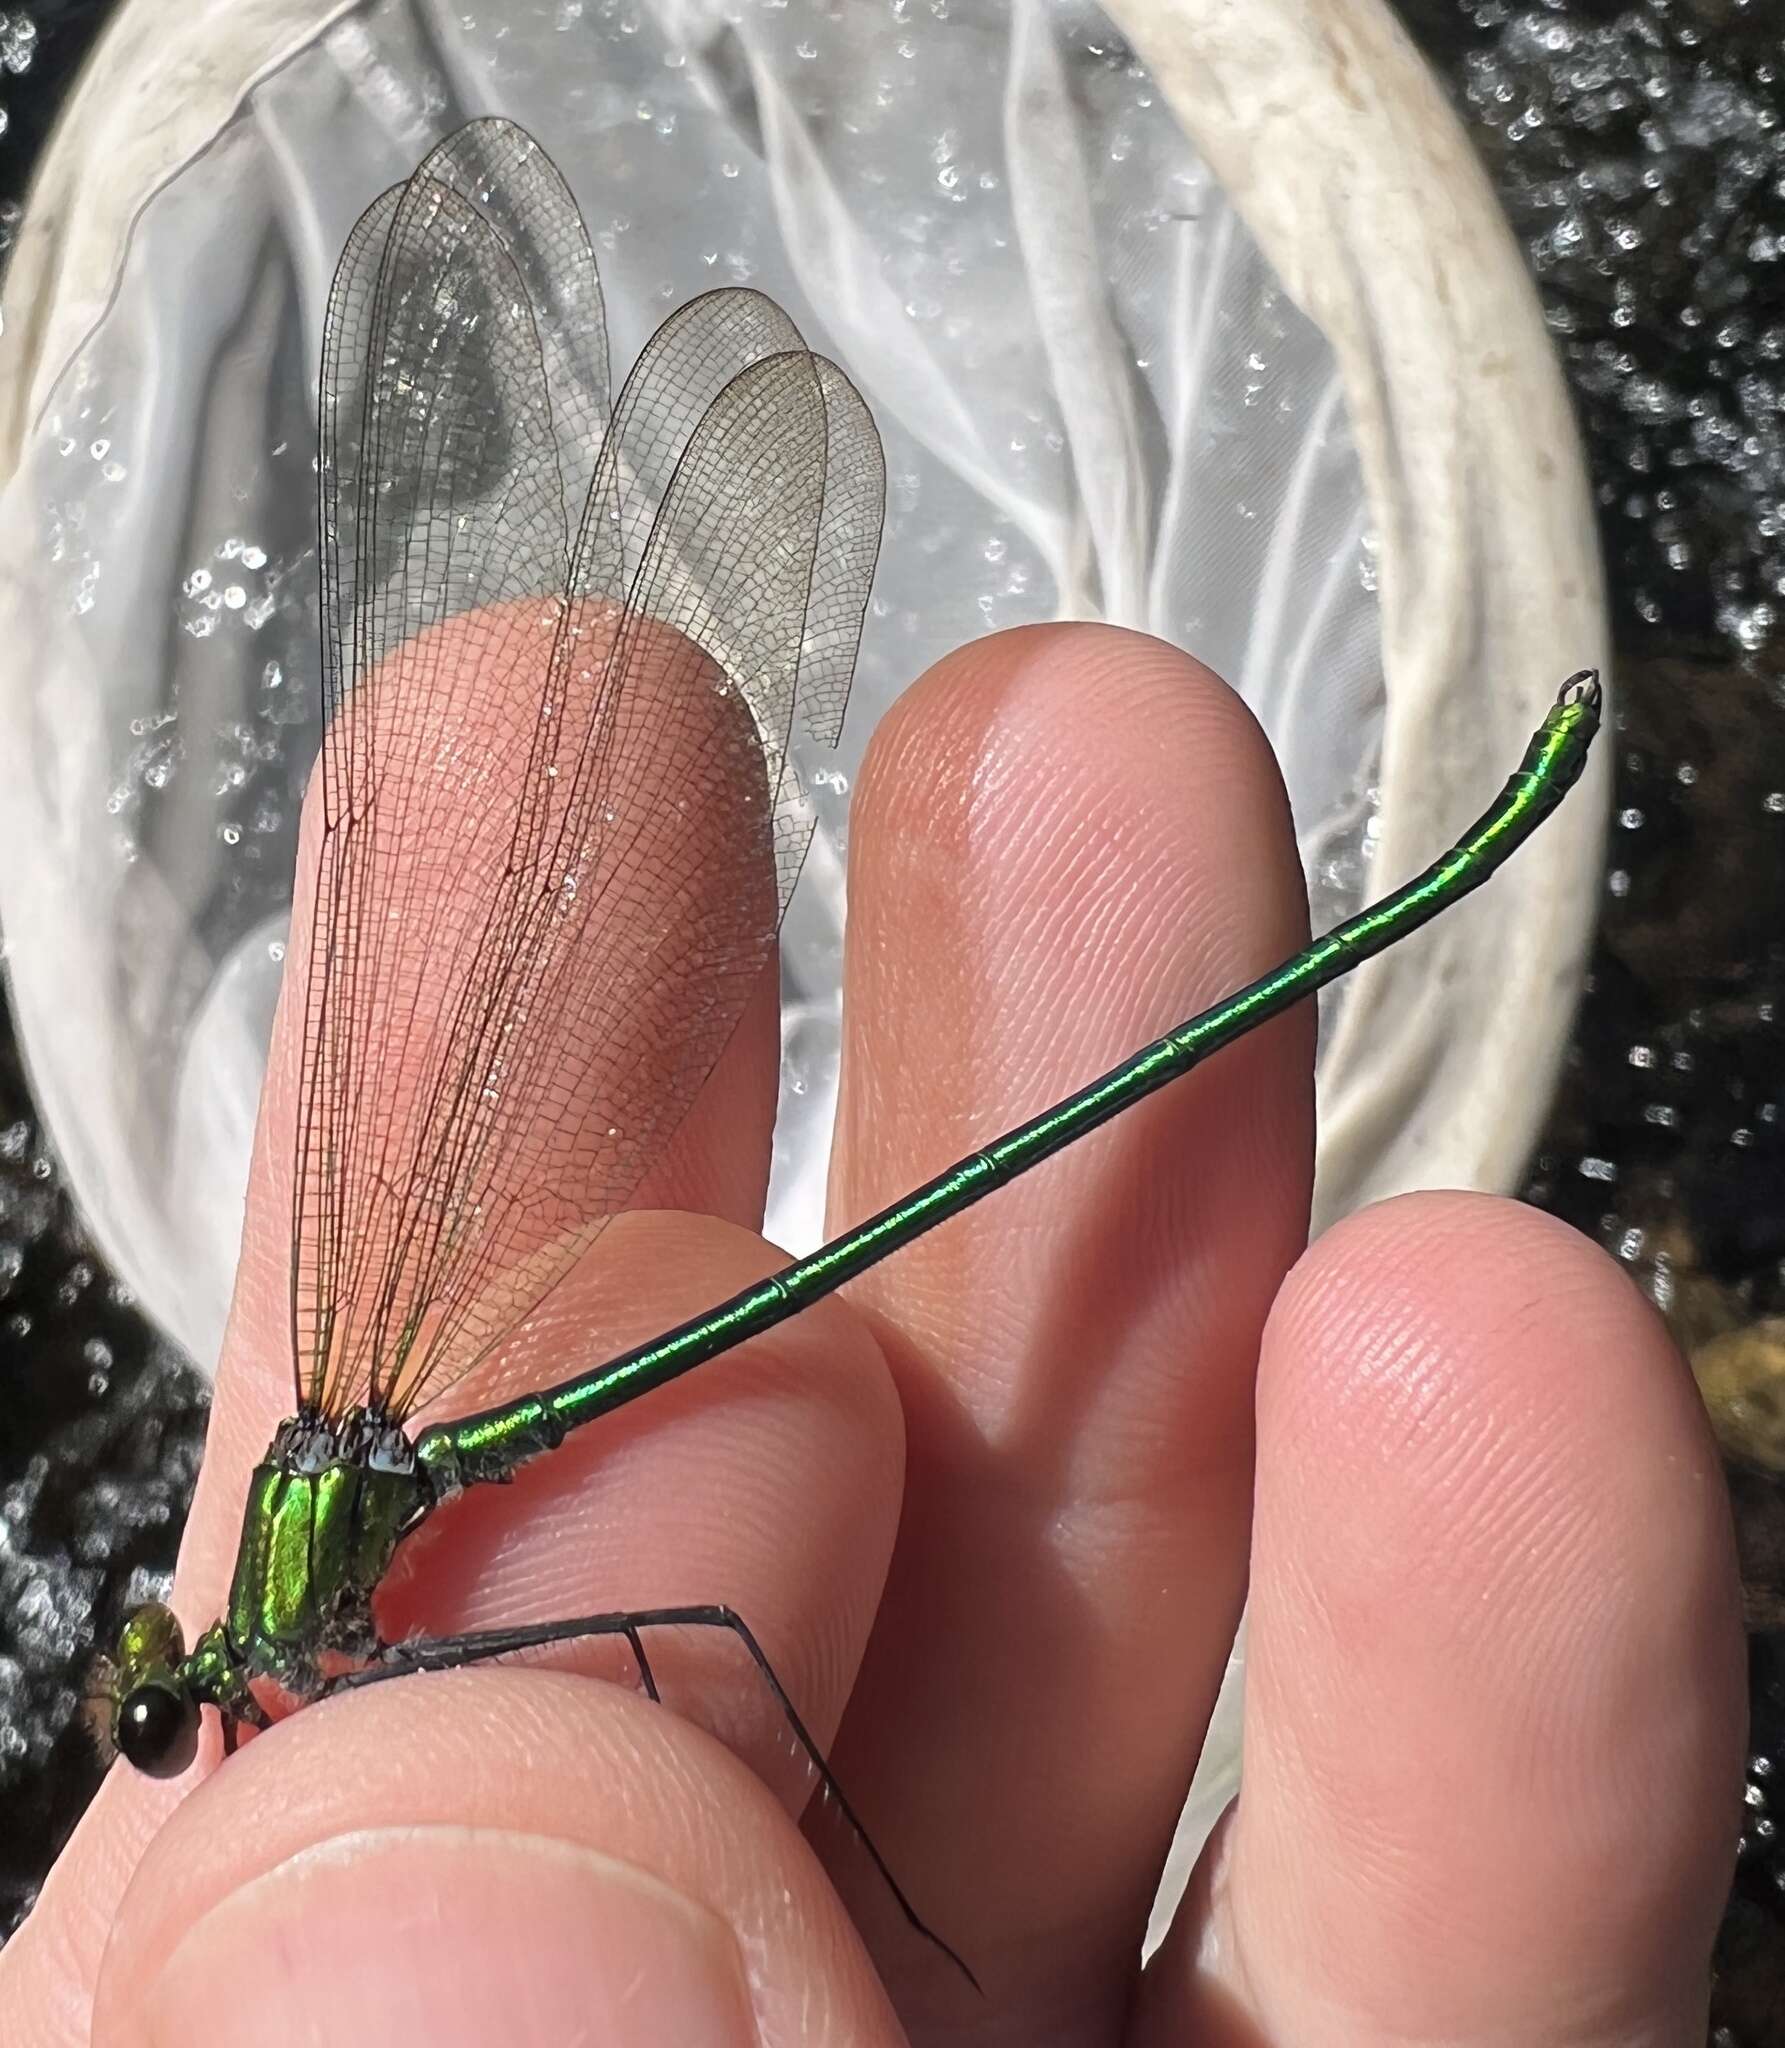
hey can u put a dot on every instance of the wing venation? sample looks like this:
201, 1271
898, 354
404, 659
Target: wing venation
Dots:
572, 657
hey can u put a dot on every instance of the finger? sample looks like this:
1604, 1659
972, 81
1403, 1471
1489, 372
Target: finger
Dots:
718, 1161
1064, 842
448, 853
1494, 1708
485, 1856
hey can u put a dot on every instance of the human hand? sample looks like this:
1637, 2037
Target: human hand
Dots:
1494, 1715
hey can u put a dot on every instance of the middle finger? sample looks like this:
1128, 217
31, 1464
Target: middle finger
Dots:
1066, 841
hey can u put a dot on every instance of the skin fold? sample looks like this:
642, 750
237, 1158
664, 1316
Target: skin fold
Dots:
993, 1514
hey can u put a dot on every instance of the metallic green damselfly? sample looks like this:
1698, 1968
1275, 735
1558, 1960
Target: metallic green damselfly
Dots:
681, 574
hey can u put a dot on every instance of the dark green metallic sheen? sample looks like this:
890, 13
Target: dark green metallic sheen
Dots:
212, 1672
488, 1446
149, 1646
314, 1547
326, 1509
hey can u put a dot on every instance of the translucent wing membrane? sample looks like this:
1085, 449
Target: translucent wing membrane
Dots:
502, 172
567, 664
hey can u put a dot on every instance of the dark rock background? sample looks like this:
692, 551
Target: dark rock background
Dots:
1639, 149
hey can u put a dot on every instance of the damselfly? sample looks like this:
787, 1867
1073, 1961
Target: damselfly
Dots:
679, 581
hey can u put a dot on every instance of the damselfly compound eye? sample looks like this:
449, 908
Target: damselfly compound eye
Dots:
157, 1729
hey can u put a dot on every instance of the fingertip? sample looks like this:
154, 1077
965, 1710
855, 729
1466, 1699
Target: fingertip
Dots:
1495, 1660
1485, 1354
1049, 719
525, 1938
1065, 839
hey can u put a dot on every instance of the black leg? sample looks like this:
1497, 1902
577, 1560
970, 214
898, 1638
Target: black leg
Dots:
449, 1653
646, 1676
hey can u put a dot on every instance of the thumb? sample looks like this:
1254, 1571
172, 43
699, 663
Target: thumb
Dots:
486, 1856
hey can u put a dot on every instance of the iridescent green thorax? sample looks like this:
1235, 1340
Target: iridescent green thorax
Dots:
325, 1512
326, 1509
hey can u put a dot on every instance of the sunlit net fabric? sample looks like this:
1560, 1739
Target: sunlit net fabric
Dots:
1095, 400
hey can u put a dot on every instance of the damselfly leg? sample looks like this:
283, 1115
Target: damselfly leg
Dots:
452, 1653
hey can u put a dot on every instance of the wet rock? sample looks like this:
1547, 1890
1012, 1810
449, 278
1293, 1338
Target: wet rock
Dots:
1742, 1378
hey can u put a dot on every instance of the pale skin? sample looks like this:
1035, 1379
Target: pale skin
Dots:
993, 1515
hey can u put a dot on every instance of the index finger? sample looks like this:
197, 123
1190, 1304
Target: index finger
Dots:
716, 1163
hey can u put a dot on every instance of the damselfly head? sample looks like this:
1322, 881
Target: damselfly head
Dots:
147, 1713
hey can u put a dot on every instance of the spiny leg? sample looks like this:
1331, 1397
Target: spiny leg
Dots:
449, 1653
